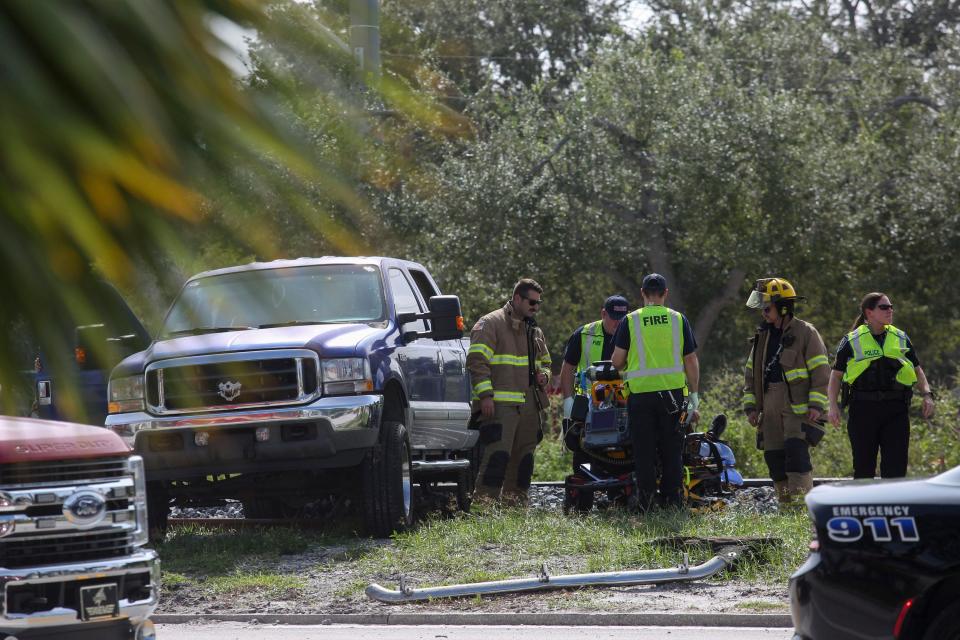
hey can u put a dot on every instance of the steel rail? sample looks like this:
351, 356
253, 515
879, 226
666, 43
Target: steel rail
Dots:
683, 572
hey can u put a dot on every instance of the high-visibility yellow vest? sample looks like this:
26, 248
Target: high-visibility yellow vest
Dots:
866, 350
655, 357
591, 344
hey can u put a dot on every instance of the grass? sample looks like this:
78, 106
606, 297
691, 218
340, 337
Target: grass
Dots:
501, 543
269, 584
198, 550
493, 543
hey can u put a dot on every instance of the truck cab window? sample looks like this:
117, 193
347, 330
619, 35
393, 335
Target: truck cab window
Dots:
405, 300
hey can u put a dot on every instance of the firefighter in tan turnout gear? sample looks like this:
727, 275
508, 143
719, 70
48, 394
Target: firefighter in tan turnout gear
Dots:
786, 386
509, 369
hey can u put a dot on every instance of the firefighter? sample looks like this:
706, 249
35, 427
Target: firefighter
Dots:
877, 362
509, 368
588, 344
784, 395
655, 352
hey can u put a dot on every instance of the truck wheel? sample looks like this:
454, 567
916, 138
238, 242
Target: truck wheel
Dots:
387, 485
945, 626
158, 509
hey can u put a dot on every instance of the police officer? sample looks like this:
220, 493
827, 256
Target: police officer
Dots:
588, 344
655, 352
878, 362
504, 345
785, 387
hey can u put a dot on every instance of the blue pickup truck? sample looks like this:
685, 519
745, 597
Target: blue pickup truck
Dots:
282, 382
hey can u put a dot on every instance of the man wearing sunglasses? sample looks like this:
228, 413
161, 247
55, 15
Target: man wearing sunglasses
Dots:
877, 363
509, 368
785, 388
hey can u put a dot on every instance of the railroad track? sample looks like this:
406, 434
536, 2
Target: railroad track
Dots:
319, 523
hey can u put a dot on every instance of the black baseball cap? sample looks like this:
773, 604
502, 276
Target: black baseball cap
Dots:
616, 307
654, 283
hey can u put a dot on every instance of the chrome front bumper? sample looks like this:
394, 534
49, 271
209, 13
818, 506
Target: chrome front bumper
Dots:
136, 612
344, 413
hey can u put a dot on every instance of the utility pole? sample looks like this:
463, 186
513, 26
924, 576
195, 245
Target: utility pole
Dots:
365, 35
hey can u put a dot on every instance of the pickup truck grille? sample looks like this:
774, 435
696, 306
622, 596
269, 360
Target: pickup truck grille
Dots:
48, 528
232, 381
58, 471
79, 546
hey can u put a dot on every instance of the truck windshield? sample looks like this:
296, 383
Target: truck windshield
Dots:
277, 297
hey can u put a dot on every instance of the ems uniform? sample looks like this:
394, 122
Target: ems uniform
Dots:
656, 339
782, 390
499, 368
880, 371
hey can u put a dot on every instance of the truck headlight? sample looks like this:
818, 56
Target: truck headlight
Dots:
345, 375
125, 394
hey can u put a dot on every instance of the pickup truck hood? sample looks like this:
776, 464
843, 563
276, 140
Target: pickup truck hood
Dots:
325, 339
25, 440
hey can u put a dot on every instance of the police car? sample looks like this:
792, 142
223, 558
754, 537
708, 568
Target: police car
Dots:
885, 562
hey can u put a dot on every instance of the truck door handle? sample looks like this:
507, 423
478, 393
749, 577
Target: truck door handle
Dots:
440, 362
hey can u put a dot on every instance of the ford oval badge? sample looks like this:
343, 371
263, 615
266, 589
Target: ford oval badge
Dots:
85, 508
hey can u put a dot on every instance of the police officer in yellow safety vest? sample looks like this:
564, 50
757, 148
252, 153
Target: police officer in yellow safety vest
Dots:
509, 404
878, 363
655, 352
784, 394
588, 344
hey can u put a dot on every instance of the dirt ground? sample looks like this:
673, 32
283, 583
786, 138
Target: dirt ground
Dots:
334, 585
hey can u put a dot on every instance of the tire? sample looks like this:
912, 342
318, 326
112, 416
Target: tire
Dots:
158, 510
387, 484
945, 626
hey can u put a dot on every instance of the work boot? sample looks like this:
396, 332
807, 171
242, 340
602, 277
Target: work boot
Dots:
783, 491
798, 484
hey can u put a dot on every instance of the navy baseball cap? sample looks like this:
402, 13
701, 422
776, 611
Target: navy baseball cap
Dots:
616, 307
654, 283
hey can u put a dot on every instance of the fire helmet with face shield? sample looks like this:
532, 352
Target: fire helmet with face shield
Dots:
771, 290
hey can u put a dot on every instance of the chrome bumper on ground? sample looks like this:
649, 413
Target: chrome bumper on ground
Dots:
136, 612
344, 413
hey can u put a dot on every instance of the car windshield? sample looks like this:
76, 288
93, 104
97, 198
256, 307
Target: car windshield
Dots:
260, 298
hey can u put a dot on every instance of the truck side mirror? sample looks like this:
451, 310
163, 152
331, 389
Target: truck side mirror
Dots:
447, 323
446, 317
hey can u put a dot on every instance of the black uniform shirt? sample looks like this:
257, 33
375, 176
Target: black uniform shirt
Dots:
881, 374
574, 347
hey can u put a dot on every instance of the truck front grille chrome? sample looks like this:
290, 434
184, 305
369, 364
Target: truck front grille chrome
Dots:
230, 381
726, 558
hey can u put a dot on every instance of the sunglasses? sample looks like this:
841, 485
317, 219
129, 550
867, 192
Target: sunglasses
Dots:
533, 302
885, 307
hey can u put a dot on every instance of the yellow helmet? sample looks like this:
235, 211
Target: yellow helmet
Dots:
767, 290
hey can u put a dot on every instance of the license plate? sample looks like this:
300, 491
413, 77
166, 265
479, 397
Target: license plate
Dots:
99, 601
